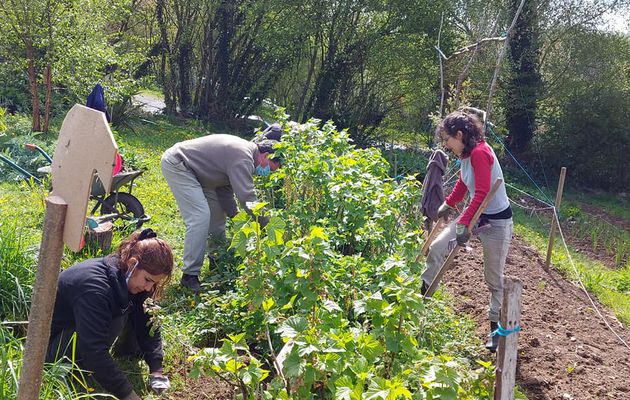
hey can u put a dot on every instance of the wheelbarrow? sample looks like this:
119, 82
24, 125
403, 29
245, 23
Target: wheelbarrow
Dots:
118, 205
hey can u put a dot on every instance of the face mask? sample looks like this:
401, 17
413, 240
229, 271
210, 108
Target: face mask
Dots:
263, 171
130, 272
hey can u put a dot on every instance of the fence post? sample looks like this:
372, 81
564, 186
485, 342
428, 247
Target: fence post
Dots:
507, 351
43, 300
554, 219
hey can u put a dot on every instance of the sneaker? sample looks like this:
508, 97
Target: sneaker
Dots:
493, 340
191, 282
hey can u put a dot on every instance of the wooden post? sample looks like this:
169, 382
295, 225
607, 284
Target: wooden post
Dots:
101, 236
43, 299
554, 220
447, 263
508, 345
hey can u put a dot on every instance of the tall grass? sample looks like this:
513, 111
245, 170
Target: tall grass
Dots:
17, 271
60, 381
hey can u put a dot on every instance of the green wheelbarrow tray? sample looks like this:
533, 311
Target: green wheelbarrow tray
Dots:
117, 205
118, 181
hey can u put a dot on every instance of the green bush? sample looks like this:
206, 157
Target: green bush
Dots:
591, 141
17, 134
336, 273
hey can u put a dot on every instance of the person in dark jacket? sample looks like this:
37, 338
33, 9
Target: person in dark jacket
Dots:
98, 299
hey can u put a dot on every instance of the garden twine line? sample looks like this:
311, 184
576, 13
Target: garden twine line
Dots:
566, 248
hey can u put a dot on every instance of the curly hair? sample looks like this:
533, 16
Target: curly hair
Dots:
468, 124
154, 256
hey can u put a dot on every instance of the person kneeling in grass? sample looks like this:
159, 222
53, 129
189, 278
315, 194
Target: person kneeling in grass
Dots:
101, 300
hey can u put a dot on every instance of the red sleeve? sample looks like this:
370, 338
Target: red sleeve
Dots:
481, 161
458, 193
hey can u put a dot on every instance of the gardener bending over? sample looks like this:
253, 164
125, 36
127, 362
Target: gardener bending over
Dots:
204, 174
462, 133
101, 300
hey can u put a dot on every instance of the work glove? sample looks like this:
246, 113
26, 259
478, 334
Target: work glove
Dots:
444, 211
462, 234
159, 383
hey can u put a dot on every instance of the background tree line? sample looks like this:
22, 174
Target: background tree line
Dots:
372, 66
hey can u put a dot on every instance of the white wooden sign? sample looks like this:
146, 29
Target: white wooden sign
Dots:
86, 145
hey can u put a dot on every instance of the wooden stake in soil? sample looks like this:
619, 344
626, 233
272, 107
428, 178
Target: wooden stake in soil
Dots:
554, 219
508, 345
43, 299
447, 263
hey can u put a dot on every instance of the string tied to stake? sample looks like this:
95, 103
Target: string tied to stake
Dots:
501, 331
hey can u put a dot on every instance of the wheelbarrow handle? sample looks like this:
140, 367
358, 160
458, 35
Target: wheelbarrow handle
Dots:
21, 170
34, 147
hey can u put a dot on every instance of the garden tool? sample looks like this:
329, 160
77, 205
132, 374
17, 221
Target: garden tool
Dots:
447, 263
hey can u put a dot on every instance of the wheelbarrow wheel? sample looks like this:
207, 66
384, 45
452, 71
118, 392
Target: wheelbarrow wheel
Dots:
127, 206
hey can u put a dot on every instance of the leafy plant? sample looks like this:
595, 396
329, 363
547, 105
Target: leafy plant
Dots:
3, 123
333, 280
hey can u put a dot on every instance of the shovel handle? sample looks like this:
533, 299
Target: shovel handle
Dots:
427, 242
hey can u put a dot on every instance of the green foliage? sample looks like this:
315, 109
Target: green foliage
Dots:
333, 279
17, 134
78, 39
586, 120
3, 123
61, 380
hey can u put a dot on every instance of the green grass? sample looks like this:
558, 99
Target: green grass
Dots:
152, 93
614, 204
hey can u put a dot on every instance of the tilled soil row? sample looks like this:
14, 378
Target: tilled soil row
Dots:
565, 349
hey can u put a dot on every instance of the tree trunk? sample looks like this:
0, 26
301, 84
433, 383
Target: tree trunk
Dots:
224, 14
524, 84
307, 84
32, 81
48, 84
167, 81
183, 66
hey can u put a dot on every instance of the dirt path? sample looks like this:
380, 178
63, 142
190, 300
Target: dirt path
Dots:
565, 349
149, 103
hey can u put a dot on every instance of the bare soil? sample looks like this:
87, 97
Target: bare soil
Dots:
565, 349
203, 388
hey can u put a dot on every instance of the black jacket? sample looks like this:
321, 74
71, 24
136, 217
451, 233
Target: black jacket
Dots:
432, 190
90, 295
